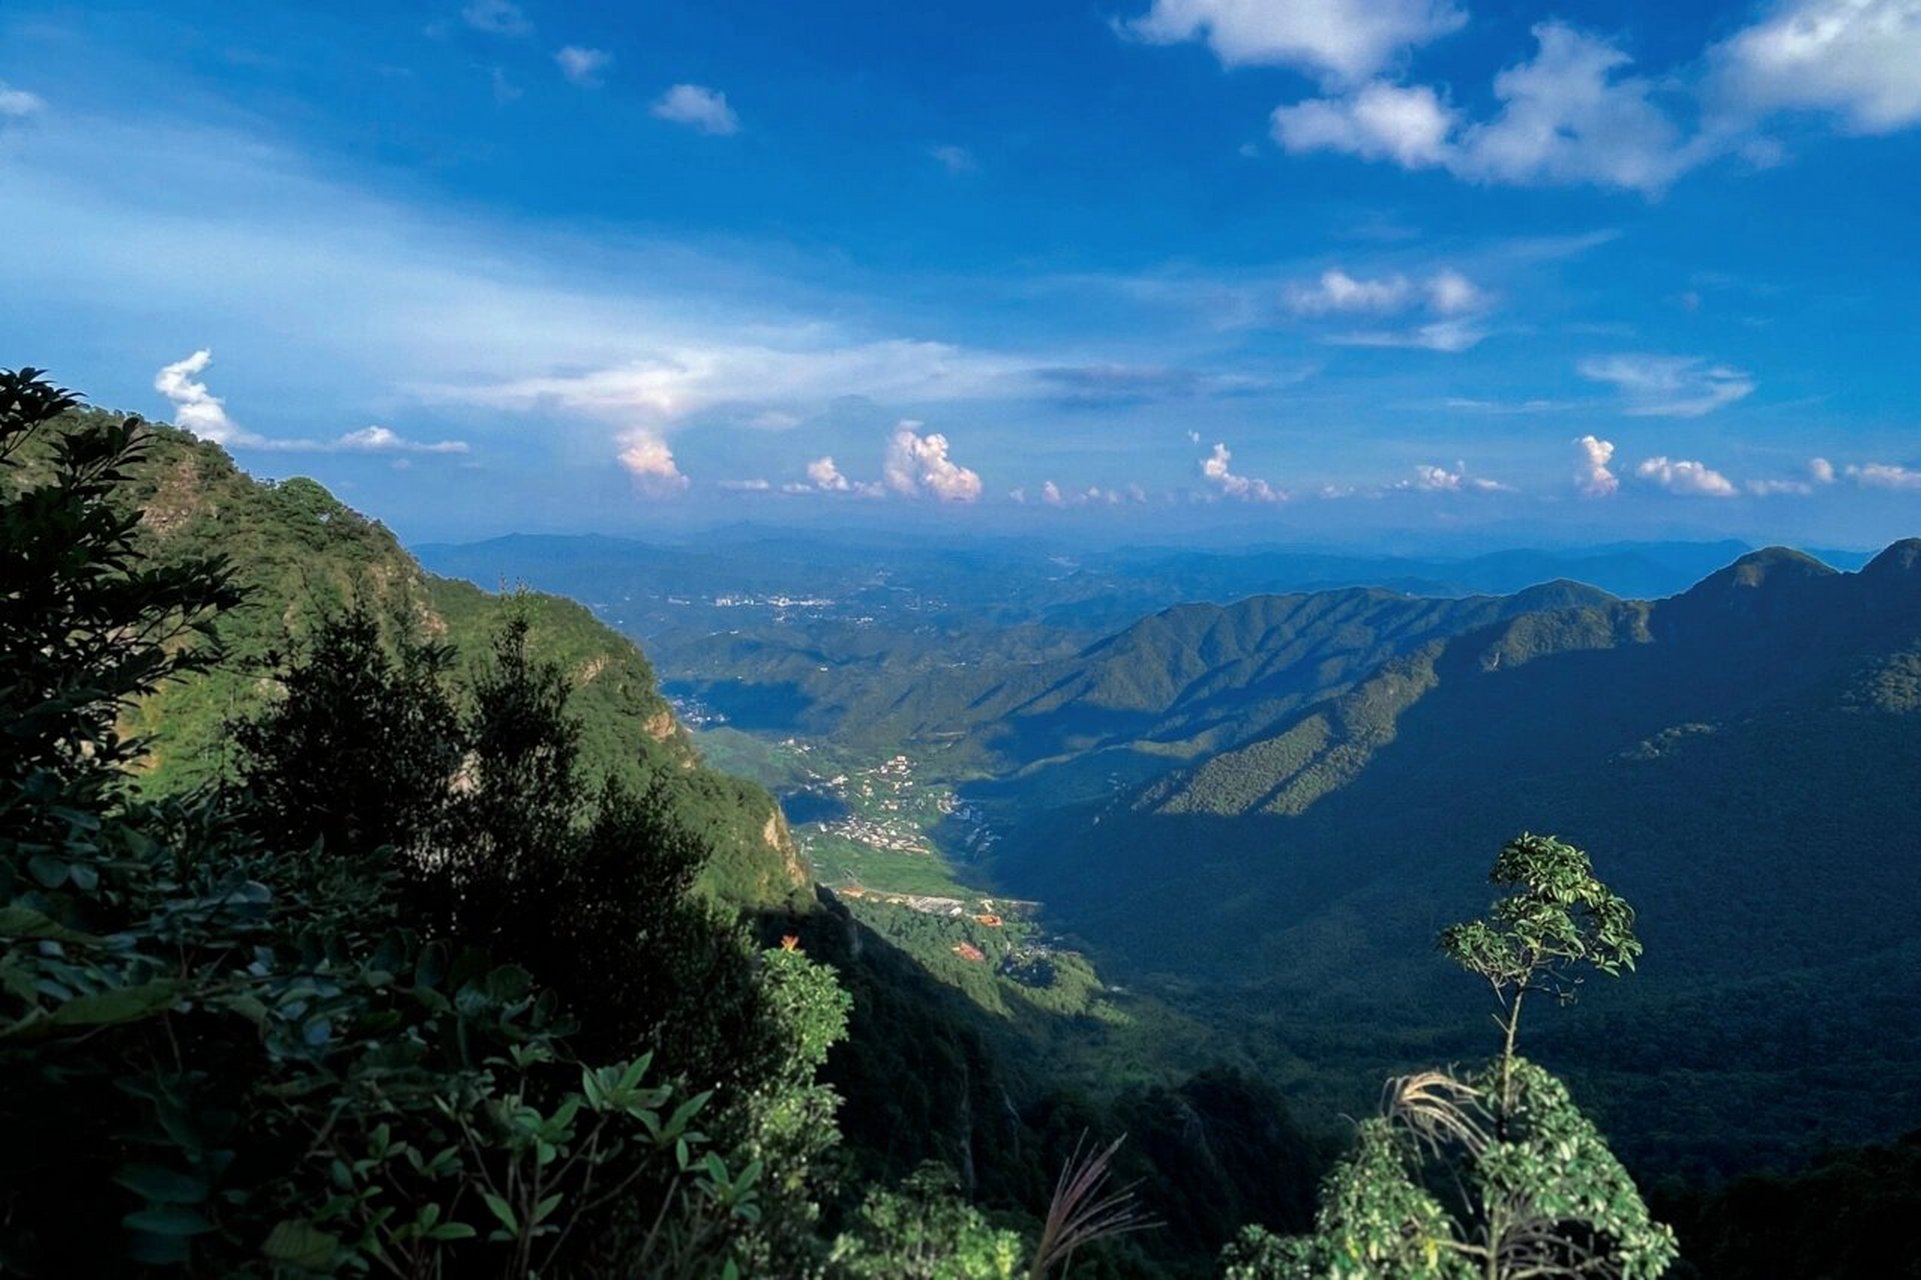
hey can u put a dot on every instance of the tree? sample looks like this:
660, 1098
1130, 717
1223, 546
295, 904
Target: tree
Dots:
1493, 1173
1558, 918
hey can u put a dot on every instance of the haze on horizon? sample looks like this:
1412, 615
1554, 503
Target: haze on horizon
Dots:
1147, 269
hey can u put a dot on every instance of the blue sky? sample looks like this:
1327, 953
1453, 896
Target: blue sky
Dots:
1263, 268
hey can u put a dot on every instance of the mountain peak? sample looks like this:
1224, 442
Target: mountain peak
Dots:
1768, 567
1902, 557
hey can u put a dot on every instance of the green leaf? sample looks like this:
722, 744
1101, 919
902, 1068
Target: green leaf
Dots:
48, 870
501, 1210
546, 1207
297, 1243
118, 1004
162, 1185
25, 922
168, 1220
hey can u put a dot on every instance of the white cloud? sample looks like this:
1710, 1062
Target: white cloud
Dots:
1885, 475
1857, 58
1593, 478
195, 408
1218, 471
699, 108
583, 66
1567, 116
825, 476
1821, 471
1690, 479
1347, 40
954, 159
674, 383
1051, 494
1451, 336
650, 462
1451, 293
1408, 125
18, 104
918, 465
1770, 488
1429, 478
496, 17
385, 440
1469, 405
1447, 294
198, 410
745, 486
1668, 386
1338, 291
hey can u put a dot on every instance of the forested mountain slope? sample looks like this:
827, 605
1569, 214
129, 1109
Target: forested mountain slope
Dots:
1746, 756
301, 554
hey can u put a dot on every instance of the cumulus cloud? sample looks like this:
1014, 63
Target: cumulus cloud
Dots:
1051, 494
1345, 40
825, 476
195, 408
918, 466
1771, 488
954, 159
583, 66
1567, 116
496, 17
650, 461
1855, 58
1885, 475
1218, 471
1690, 479
745, 486
699, 108
18, 104
1668, 386
1594, 478
1821, 471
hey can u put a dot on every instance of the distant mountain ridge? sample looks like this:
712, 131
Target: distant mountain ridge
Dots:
1744, 759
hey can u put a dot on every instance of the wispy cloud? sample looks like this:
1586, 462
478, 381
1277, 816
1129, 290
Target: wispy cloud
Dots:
1885, 475
496, 17
583, 66
699, 108
1447, 295
18, 104
1429, 478
954, 159
1668, 386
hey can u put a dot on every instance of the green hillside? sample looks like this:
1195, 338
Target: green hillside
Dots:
1746, 755
300, 554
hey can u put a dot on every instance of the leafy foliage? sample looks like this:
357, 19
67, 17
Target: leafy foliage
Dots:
1496, 1173
224, 1045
